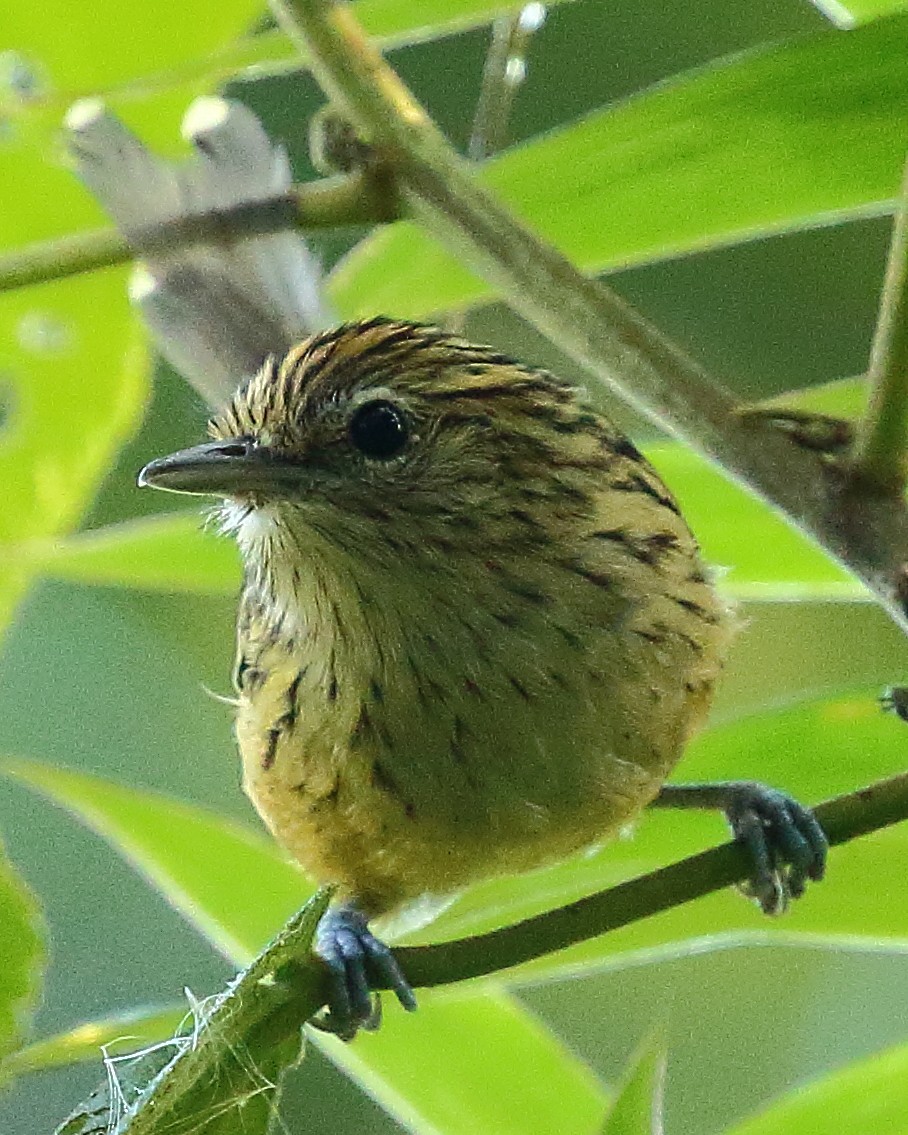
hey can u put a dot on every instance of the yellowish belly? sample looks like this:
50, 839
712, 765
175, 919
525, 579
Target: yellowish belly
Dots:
446, 775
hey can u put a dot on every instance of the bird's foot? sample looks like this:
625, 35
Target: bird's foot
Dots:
784, 839
358, 966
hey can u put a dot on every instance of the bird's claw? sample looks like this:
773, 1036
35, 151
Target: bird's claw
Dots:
785, 842
359, 964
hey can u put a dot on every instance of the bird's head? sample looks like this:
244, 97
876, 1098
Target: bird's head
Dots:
386, 440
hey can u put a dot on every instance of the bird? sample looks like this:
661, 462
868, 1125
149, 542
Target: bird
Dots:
475, 631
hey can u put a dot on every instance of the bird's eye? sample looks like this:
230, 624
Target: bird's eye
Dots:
379, 429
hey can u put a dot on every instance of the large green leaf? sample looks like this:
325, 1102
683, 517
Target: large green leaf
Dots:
479, 1061
870, 1095
22, 951
73, 363
761, 556
212, 52
237, 892
480, 1041
170, 552
767, 141
62, 431
230, 882
117, 43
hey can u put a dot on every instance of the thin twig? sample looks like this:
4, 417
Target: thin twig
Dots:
363, 197
866, 533
260, 1016
61, 257
843, 818
879, 458
502, 75
500, 80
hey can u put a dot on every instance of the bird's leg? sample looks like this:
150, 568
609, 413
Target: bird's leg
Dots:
358, 965
784, 839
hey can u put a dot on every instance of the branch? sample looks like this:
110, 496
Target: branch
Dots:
364, 197
255, 1025
503, 73
843, 818
866, 533
878, 460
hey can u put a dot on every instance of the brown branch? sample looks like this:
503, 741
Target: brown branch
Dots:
866, 533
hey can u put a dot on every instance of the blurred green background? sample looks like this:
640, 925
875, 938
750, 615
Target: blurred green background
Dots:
117, 681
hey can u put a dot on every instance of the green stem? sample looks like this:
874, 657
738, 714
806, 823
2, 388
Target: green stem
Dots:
843, 818
364, 197
254, 1029
866, 533
511, 36
878, 459
62, 257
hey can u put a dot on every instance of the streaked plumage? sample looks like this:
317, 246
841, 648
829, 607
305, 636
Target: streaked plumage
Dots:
475, 657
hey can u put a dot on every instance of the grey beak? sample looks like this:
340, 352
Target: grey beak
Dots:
220, 468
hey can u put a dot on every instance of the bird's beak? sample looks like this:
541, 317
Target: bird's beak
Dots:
220, 468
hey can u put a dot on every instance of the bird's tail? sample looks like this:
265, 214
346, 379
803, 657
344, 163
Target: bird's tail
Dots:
215, 309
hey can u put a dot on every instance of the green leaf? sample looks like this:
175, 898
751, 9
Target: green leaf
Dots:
637, 1109
474, 1062
766, 141
841, 398
101, 1111
22, 951
870, 1095
116, 43
170, 552
116, 1034
228, 881
72, 385
222, 1070
190, 54
58, 442
485, 1042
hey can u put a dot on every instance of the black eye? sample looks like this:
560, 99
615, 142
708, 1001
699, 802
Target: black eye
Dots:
379, 429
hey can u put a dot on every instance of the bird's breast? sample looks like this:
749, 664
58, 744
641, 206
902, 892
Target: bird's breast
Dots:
490, 732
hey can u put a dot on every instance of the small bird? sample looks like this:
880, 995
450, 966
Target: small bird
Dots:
474, 636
